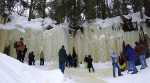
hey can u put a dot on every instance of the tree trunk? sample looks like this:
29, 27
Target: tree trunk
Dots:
30, 11
147, 7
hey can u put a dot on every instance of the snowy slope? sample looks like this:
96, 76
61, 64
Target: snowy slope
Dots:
12, 71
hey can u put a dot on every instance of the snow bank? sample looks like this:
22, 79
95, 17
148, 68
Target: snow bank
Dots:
109, 22
136, 17
22, 22
18, 22
12, 71
141, 77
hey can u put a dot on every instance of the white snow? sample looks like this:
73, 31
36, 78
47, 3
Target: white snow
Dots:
109, 22
13, 71
136, 17
22, 22
129, 6
101, 65
103, 74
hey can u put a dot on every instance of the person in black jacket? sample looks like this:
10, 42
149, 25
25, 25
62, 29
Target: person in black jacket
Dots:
62, 58
75, 58
85, 60
31, 58
89, 63
70, 60
7, 50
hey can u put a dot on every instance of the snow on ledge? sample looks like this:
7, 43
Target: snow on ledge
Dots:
109, 22
22, 22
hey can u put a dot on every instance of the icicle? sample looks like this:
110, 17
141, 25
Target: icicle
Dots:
76, 3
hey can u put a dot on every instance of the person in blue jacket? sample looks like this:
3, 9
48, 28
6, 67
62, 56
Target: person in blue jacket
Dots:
115, 64
131, 57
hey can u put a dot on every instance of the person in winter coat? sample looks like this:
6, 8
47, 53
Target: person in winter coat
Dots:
75, 58
131, 57
31, 60
140, 51
70, 60
115, 64
42, 58
7, 50
20, 49
86, 60
146, 49
62, 58
122, 62
89, 63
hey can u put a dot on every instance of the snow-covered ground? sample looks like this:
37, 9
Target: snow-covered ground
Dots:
13, 71
103, 74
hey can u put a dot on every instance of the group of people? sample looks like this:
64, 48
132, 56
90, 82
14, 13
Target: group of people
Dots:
130, 58
21, 51
127, 60
72, 61
67, 60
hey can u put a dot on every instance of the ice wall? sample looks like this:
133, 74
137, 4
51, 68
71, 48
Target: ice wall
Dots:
48, 40
100, 42
95, 41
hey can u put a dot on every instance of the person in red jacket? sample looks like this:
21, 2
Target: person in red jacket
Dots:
21, 49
